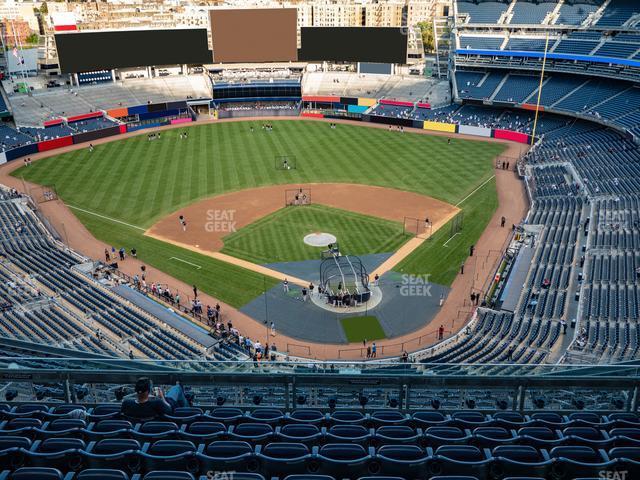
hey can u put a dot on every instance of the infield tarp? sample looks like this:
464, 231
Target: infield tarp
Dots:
440, 127
55, 143
477, 131
509, 135
21, 151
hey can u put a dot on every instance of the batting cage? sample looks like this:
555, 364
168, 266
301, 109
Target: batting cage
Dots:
416, 227
345, 280
457, 224
285, 162
295, 197
44, 193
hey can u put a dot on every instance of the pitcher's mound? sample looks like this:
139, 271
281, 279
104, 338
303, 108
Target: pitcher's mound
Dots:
320, 239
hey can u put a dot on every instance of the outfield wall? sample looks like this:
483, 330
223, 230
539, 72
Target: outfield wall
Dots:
157, 115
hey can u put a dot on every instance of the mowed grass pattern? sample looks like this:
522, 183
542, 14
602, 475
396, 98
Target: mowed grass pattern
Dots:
279, 237
138, 182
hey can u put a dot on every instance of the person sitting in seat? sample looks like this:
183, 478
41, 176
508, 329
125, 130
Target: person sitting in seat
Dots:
145, 406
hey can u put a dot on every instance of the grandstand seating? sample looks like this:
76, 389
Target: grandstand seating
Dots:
92, 124
575, 13
482, 12
531, 13
618, 12
10, 138
39, 441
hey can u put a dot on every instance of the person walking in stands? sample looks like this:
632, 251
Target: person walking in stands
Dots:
285, 286
374, 350
503, 220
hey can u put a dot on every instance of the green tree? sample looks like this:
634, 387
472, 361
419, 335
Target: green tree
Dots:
426, 29
33, 38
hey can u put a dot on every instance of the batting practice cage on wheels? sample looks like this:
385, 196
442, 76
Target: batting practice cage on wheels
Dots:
294, 197
344, 280
285, 162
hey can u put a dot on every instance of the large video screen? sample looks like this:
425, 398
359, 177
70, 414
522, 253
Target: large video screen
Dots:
254, 35
353, 44
89, 51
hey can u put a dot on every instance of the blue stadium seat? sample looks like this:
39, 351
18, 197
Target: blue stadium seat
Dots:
37, 473
284, 458
170, 455
101, 474
113, 453
303, 433
226, 455
408, 461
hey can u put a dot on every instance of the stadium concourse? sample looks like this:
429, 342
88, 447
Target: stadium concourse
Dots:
453, 314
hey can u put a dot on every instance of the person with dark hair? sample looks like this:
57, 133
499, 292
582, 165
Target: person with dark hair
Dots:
145, 406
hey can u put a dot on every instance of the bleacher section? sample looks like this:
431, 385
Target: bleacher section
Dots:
55, 103
348, 84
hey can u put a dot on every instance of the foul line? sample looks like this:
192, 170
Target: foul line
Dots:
184, 261
106, 218
483, 184
451, 238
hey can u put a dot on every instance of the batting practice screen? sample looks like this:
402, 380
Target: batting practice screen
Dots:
254, 35
88, 51
353, 44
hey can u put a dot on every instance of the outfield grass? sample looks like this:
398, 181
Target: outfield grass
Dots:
358, 329
139, 182
279, 237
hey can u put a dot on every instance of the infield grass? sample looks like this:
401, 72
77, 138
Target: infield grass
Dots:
139, 182
279, 237
358, 329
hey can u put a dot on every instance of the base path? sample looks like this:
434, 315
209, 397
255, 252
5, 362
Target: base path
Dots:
210, 220
513, 204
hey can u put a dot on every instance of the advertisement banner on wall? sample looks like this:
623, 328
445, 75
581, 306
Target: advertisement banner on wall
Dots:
440, 127
476, 131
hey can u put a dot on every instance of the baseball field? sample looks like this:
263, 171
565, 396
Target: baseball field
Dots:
124, 187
